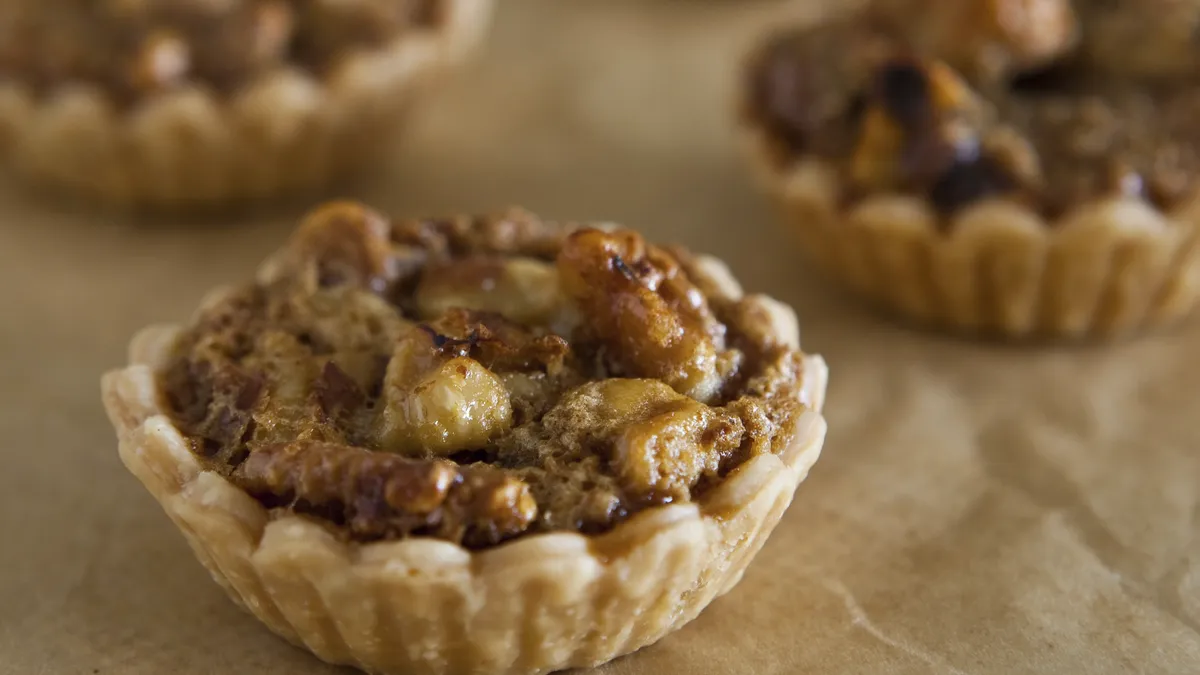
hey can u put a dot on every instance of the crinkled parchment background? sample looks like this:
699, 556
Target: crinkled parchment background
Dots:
979, 509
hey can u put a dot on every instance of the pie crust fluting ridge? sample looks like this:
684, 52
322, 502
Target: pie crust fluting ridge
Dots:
286, 131
537, 604
1104, 268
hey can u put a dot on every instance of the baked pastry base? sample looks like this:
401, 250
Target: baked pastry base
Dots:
283, 133
422, 606
1104, 269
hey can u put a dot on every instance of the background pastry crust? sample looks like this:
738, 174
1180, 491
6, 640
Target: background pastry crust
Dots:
1102, 269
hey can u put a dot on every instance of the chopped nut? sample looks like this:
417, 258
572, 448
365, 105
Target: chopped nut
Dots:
459, 406
378, 494
521, 289
766, 323
501, 506
344, 243
288, 367
640, 304
666, 454
424, 493
661, 441
434, 406
497, 343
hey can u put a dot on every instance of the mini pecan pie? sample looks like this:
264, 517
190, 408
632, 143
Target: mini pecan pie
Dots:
1047, 197
181, 103
489, 445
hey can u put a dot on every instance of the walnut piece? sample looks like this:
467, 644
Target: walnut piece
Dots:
343, 243
523, 290
643, 307
431, 405
661, 441
377, 494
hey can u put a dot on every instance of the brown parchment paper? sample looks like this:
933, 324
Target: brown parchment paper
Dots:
978, 509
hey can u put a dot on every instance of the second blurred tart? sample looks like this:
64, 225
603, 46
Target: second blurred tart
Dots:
1050, 197
188, 103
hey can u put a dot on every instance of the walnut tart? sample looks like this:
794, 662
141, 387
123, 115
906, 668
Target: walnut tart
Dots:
1016, 186
473, 444
198, 104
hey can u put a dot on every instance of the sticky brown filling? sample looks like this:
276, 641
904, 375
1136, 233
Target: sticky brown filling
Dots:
892, 119
478, 379
137, 48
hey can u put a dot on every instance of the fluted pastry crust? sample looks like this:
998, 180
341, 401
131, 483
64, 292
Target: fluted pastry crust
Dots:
1103, 269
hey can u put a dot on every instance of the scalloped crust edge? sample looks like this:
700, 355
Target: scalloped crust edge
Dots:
287, 131
1106, 268
425, 607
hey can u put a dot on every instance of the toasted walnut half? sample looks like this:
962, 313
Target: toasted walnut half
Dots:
642, 306
288, 372
661, 442
379, 495
436, 404
342, 243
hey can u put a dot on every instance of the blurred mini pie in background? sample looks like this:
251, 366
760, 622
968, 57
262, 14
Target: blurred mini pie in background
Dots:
983, 168
181, 104
473, 444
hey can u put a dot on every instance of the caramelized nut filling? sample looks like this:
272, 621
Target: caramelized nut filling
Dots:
476, 379
136, 48
895, 118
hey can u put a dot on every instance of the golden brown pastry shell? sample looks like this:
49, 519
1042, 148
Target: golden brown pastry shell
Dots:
422, 606
285, 132
1106, 268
